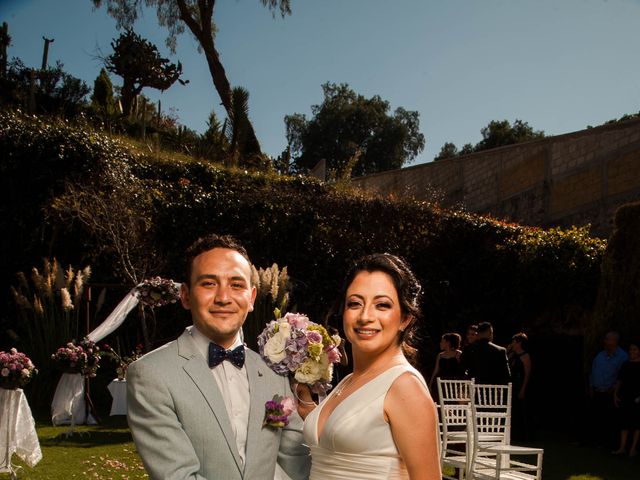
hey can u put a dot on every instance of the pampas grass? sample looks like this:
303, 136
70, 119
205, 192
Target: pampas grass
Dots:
47, 305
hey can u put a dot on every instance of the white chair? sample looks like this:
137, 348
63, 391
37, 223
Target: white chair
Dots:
454, 405
494, 399
491, 456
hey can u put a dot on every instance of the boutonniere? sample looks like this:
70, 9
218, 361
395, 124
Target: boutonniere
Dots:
277, 411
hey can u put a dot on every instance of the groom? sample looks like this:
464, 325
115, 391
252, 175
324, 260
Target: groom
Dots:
196, 405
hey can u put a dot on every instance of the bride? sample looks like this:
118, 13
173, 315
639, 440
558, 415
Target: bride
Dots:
379, 422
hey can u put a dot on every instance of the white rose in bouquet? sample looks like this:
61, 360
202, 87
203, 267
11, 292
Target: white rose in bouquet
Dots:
309, 372
274, 349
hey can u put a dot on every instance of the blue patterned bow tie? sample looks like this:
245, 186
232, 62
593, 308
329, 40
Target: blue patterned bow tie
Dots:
217, 355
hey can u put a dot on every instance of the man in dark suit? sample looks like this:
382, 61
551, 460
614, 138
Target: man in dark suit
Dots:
485, 361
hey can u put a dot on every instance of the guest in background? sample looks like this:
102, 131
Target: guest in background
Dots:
627, 400
520, 365
602, 382
485, 361
470, 335
448, 360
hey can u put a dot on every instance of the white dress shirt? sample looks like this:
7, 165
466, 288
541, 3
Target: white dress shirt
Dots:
234, 386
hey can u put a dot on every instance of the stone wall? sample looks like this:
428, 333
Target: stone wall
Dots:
571, 179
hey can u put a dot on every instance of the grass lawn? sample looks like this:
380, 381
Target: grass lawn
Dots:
106, 452
567, 459
101, 452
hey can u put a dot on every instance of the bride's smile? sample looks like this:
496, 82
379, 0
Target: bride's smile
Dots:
372, 316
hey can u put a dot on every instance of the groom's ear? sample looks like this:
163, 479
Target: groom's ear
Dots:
184, 296
254, 292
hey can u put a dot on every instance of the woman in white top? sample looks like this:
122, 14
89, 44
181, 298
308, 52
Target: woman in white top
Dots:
379, 422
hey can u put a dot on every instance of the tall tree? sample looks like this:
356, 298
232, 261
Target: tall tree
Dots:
197, 16
242, 144
140, 65
347, 125
102, 97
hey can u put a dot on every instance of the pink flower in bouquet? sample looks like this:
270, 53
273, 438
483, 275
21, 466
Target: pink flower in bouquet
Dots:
333, 354
297, 320
314, 336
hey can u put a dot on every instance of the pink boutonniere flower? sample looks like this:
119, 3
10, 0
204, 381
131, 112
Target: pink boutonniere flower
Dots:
277, 411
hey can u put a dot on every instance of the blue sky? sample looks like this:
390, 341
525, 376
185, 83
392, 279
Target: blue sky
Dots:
559, 64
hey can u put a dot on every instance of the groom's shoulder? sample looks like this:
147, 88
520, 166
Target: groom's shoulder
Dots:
163, 355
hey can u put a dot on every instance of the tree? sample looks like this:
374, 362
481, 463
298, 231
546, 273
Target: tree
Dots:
242, 144
500, 133
448, 150
213, 142
51, 90
197, 16
140, 65
347, 123
102, 98
497, 133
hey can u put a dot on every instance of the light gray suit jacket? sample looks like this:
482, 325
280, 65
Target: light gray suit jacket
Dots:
181, 427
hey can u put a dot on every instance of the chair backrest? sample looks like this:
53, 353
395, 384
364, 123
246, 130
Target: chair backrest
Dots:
489, 426
454, 391
490, 397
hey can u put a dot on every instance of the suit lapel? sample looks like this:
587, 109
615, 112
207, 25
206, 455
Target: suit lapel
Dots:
257, 394
197, 369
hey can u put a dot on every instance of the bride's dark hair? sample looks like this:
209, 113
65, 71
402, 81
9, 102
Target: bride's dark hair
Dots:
407, 287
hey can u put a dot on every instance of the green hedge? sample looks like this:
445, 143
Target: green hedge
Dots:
473, 268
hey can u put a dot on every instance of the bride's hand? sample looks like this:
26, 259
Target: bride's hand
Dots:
305, 400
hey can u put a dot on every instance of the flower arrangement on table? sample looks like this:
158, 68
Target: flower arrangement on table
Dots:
157, 292
123, 362
16, 369
294, 345
81, 357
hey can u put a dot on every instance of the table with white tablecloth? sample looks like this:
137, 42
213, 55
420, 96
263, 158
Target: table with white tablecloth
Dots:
118, 390
17, 430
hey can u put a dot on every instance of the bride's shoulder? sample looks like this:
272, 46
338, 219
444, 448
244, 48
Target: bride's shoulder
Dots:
408, 393
409, 381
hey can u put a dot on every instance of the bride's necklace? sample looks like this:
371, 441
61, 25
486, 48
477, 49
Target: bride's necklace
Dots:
351, 380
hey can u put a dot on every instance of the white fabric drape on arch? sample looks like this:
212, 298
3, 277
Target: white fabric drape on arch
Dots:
68, 405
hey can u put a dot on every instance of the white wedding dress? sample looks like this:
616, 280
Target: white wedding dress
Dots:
356, 441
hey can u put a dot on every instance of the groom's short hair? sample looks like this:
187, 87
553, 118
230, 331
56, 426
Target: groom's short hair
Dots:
209, 242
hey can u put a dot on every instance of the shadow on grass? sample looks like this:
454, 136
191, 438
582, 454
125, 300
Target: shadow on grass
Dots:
87, 438
566, 458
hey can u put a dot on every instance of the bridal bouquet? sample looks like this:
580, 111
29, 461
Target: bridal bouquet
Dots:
293, 344
16, 369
